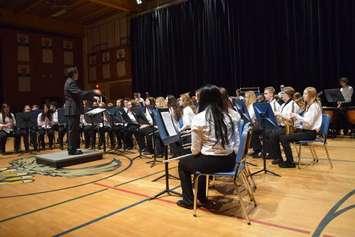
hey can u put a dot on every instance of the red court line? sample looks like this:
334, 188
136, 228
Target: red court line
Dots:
294, 229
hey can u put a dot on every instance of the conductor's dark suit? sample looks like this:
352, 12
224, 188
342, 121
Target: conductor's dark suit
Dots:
72, 110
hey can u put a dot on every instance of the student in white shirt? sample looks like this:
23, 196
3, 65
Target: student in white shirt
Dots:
289, 106
187, 112
45, 125
269, 94
308, 125
175, 111
250, 99
215, 141
7, 125
347, 92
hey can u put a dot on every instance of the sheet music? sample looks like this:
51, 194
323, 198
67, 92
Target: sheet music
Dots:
95, 111
168, 123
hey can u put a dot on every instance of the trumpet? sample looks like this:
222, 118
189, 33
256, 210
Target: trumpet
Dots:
288, 122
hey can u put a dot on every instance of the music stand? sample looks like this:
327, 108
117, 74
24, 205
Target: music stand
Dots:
266, 119
333, 95
23, 120
168, 134
96, 120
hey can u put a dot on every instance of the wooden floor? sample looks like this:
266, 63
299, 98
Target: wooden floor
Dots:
117, 203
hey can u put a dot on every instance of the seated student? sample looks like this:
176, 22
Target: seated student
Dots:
250, 99
118, 123
283, 116
7, 126
34, 127
45, 126
188, 111
176, 114
289, 106
88, 128
138, 124
106, 127
24, 133
215, 139
269, 94
307, 126
175, 111
150, 107
342, 106
60, 128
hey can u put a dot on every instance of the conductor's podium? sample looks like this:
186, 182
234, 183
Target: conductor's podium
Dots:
61, 159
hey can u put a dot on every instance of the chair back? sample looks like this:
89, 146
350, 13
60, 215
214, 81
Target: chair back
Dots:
324, 128
239, 164
241, 126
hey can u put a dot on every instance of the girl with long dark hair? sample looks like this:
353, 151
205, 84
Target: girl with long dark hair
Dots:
7, 125
215, 140
45, 124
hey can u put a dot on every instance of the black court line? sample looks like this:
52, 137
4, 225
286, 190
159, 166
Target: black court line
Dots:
106, 215
333, 213
78, 197
75, 186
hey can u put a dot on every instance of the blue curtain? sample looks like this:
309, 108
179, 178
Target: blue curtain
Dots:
234, 43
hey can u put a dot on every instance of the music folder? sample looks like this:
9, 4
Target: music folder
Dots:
95, 111
167, 131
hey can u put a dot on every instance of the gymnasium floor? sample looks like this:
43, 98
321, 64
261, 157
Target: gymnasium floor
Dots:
117, 203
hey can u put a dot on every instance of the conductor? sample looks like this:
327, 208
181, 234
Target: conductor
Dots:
73, 108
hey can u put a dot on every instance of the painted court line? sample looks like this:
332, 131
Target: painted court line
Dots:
294, 229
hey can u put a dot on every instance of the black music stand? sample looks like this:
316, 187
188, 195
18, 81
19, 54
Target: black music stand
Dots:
266, 120
168, 135
96, 117
333, 95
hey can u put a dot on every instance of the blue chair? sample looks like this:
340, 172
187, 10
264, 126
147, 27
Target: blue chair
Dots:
238, 173
320, 140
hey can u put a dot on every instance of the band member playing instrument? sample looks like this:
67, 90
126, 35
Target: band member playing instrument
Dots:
214, 143
347, 92
285, 122
45, 125
250, 99
307, 125
105, 126
269, 94
7, 125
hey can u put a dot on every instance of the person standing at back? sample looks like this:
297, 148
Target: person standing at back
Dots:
73, 108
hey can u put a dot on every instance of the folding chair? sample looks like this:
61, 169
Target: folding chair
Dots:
320, 140
238, 174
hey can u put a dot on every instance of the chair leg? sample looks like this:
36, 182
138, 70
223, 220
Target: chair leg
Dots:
328, 157
195, 194
313, 157
251, 178
250, 191
315, 154
207, 184
242, 203
299, 156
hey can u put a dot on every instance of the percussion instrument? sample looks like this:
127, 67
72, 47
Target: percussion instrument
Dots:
331, 111
350, 115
